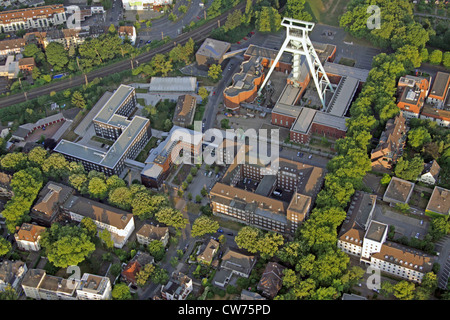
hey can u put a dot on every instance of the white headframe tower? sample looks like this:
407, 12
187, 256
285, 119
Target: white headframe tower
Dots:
298, 43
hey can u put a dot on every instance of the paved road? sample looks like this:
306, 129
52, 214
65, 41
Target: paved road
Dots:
216, 97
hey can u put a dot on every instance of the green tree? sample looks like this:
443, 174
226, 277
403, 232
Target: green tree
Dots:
404, 290
56, 55
182, 9
171, 217
5, 247
9, 293
144, 274
121, 197
435, 57
446, 59
78, 100
385, 179
203, 93
409, 169
105, 236
97, 188
144, 205
89, 225
296, 9
156, 249
215, 72
204, 225
418, 137
66, 245
268, 19
121, 292
249, 238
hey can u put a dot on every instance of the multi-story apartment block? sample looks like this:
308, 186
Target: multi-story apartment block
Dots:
40, 17
118, 222
412, 92
178, 287
93, 287
12, 46
112, 122
391, 144
440, 89
50, 199
37, 284
363, 237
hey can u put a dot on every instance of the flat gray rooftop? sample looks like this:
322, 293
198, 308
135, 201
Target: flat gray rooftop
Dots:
113, 103
115, 152
304, 120
343, 96
343, 70
330, 120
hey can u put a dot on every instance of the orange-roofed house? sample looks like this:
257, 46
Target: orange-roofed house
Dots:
412, 92
28, 237
27, 64
135, 265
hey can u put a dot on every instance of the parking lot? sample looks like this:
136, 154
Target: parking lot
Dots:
405, 225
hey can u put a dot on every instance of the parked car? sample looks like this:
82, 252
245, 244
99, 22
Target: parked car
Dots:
220, 230
417, 235
298, 154
421, 222
310, 156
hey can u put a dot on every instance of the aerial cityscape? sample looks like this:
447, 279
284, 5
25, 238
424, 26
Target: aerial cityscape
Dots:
235, 151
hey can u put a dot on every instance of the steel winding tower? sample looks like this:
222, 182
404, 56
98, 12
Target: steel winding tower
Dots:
298, 43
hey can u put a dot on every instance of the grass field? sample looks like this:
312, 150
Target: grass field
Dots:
326, 11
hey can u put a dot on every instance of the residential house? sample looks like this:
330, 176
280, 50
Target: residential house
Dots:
128, 32
148, 232
234, 263
430, 173
207, 254
439, 202
398, 191
93, 287
184, 110
178, 287
48, 206
27, 64
28, 237
135, 265
271, 280
391, 144
12, 273
118, 222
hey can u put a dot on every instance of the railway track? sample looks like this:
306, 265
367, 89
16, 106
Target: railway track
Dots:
197, 35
